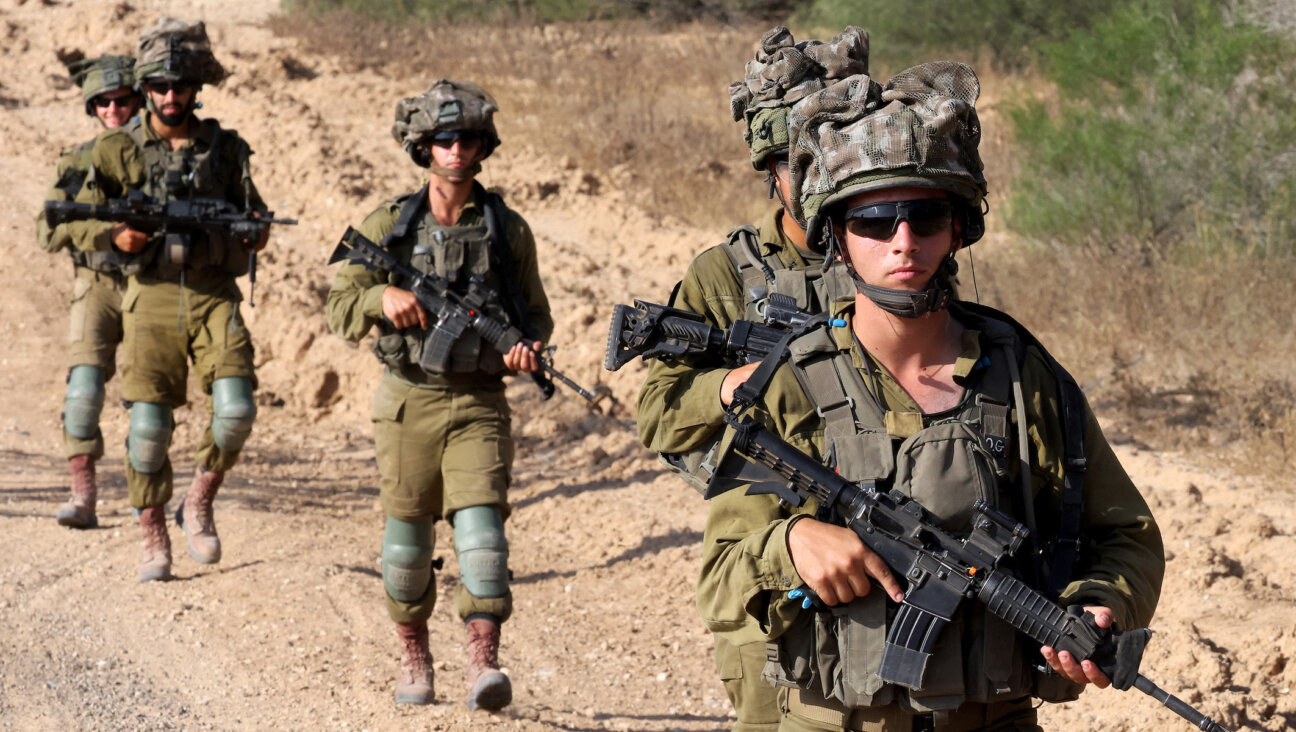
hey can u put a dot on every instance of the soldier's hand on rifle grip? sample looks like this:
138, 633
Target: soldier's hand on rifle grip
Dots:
1081, 672
263, 237
735, 379
835, 563
127, 239
524, 357
403, 309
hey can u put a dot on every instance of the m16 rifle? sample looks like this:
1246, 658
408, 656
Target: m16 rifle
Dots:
453, 311
666, 333
941, 570
174, 220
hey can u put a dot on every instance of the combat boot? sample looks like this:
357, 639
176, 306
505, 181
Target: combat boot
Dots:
156, 563
79, 511
488, 687
415, 685
195, 516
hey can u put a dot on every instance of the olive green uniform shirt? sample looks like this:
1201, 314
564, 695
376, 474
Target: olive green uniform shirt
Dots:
747, 568
119, 167
679, 404
355, 302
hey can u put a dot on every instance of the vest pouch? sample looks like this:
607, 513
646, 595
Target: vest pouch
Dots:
860, 629
947, 468
391, 350
788, 659
998, 651
864, 457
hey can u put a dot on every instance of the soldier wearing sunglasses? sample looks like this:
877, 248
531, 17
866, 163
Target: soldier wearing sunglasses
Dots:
443, 438
680, 405
106, 85
182, 300
947, 401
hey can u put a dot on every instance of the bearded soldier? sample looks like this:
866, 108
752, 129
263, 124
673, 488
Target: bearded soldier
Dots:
443, 436
680, 410
946, 401
107, 89
181, 301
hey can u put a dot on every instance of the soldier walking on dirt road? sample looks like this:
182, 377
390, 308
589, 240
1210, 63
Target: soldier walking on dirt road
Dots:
443, 438
182, 300
107, 88
680, 412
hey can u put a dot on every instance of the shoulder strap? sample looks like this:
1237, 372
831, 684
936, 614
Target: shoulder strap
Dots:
1065, 546
409, 210
502, 262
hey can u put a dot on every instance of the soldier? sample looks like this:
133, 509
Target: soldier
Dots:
680, 411
182, 300
443, 439
107, 88
944, 400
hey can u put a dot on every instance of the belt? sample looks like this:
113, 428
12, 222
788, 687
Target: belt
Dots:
891, 718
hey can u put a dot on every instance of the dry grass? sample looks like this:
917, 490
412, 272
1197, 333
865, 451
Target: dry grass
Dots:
1194, 358
643, 107
1191, 358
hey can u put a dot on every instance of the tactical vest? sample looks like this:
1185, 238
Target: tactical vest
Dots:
946, 462
75, 175
761, 276
185, 173
455, 253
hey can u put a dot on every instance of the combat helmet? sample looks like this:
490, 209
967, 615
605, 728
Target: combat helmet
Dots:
447, 106
782, 73
919, 130
177, 51
101, 75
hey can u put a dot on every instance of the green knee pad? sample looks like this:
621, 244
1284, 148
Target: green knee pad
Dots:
482, 551
407, 558
233, 411
150, 436
84, 402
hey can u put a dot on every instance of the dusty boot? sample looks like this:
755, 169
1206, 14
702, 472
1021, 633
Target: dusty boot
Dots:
488, 687
415, 685
195, 516
79, 511
156, 562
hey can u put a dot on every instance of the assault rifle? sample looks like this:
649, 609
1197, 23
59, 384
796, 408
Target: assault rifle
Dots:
453, 312
666, 333
181, 216
940, 569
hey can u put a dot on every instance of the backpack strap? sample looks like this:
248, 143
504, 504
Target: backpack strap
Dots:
1062, 550
502, 262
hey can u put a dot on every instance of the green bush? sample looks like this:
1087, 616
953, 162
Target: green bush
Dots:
907, 33
1171, 130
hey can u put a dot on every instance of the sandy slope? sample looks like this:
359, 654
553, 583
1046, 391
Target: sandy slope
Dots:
289, 630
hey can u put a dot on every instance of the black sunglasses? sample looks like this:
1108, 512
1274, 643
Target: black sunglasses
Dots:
926, 216
466, 138
164, 87
103, 102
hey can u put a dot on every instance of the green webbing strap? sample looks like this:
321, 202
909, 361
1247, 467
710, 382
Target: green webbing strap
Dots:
502, 261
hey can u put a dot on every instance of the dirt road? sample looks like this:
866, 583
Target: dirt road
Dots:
289, 631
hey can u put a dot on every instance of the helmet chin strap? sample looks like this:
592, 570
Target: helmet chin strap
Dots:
937, 295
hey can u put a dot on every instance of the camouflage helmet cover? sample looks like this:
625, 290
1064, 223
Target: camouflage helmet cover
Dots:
920, 129
782, 73
178, 51
446, 106
104, 74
